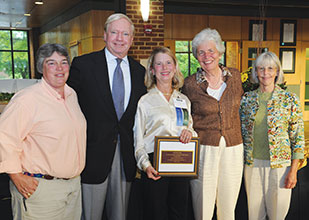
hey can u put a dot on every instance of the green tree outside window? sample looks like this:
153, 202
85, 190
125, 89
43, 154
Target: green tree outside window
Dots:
14, 55
187, 62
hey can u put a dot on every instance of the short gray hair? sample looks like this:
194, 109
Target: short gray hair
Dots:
47, 50
115, 17
267, 59
205, 35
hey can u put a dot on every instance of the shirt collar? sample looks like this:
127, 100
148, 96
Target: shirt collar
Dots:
201, 77
111, 58
53, 92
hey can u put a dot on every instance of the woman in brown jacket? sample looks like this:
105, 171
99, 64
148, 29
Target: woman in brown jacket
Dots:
215, 93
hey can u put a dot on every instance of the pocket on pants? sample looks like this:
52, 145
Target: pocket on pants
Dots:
37, 190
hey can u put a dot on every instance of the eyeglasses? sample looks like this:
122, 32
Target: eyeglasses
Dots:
269, 69
55, 64
203, 53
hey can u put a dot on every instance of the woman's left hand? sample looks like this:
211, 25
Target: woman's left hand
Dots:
291, 178
185, 136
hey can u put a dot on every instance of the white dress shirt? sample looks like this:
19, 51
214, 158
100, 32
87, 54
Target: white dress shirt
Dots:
125, 67
155, 116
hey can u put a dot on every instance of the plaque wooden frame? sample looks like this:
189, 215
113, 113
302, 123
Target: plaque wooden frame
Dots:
173, 158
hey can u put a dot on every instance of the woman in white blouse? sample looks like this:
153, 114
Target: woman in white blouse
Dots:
163, 197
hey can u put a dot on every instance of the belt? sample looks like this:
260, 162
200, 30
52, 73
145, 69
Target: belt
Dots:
43, 176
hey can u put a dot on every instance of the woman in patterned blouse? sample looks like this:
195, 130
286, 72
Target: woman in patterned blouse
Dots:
273, 135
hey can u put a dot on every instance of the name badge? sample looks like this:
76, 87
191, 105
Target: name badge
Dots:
181, 112
180, 103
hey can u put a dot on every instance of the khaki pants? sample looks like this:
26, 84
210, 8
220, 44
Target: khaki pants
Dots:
53, 200
219, 180
265, 191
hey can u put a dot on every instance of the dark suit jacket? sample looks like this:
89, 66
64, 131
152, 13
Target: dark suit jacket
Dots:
89, 78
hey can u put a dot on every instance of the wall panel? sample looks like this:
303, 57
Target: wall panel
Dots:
86, 45
74, 30
86, 25
185, 26
168, 25
86, 30
98, 43
98, 19
304, 30
229, 27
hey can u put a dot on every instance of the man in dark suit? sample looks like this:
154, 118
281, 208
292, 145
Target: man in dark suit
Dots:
110, 162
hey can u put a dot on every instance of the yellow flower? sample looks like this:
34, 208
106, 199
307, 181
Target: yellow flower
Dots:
244, 77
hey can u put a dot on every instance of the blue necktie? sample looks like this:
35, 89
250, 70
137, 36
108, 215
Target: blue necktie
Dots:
118, 90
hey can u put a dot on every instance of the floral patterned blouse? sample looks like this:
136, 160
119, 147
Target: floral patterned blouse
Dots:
285, 127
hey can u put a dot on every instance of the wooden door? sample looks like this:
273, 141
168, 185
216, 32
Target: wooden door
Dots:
304, 87
251, 49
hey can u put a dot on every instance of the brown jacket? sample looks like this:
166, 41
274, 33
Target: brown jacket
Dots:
211, 118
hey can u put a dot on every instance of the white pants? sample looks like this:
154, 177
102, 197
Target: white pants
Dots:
265, 191
52, 200
219, 180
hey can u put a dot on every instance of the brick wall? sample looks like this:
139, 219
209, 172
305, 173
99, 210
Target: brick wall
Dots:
144, 43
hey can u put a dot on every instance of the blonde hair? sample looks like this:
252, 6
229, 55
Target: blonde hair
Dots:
150, 78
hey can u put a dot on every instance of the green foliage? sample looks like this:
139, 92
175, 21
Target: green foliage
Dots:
183, 49
194, 64
181, 46
5, 97
183, 63
5, 40
5, 65
20, 40
247, 85
283, 85
21, 68
21, 64
182, 55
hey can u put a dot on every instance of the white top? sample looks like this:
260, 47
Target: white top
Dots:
155, 116
125, 67
217, 93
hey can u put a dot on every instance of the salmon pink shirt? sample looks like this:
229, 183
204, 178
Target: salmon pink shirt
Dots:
40, 132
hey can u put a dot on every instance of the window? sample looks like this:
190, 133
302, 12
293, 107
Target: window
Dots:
187, 62
14, 54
